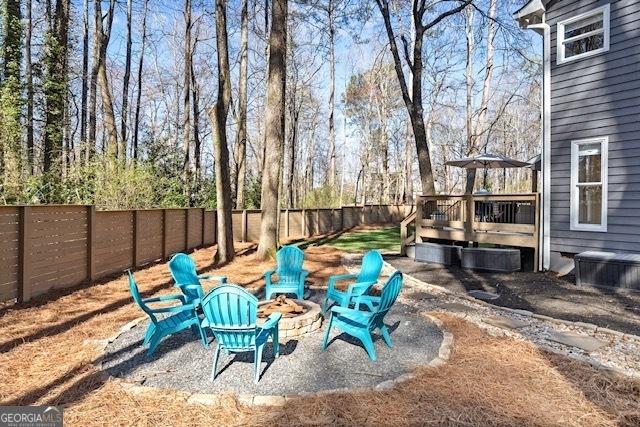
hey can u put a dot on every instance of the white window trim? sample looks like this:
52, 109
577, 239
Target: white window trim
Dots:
604, 167
560, 51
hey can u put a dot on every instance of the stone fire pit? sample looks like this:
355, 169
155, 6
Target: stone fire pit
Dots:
295, 322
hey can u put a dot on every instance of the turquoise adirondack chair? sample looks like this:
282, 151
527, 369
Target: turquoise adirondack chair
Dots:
231, 313
363, 281
181, 317
291, 275
183, 270
361, 324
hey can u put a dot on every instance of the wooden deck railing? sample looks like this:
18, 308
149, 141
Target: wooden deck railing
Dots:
505, 219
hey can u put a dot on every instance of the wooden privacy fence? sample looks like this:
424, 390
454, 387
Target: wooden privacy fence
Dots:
54, 247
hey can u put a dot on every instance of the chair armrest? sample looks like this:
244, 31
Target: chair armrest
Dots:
358, 289
342, 310
164, 298
368, 300
174, 309
267, 276
221, 279
357, 316
338, 277
272, 321
304, 273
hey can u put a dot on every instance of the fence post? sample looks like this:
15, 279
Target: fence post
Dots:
136, 232
244, 225
186, 230
164, 234
202, 224
91, 237
317, 230
24, 249
304, 223
341, 218
286, 223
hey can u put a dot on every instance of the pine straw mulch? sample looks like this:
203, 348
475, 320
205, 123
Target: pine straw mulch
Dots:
46, 350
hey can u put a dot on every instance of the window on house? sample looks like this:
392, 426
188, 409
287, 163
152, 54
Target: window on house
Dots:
589, 184
583, 35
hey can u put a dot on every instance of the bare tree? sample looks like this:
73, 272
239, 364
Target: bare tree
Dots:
241, 136
274, 128
102, 37
413, 100
218, 115
186, 122
475, 132
332, 92
127, 77
29, 78
136, 125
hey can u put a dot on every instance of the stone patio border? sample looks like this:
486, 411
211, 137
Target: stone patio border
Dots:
444, 353
528, 314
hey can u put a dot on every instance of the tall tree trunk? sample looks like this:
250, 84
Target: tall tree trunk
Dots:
218, 115
11, 102
480, 127
186, 122
195, 102
332, 90
125, 84
85, 80
408, 160
55, 95
293, 146
29, 77
93, 85
274, 128
136, 124
472, 148
241, 138
413, 99
113, 150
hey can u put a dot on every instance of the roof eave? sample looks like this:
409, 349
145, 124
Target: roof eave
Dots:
530, 13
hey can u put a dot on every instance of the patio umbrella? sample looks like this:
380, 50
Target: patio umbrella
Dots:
487, 161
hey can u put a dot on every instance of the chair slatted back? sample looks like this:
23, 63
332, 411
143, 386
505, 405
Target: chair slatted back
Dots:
135, 293
183, 270
371, 267
290, 259
388, 296
232, 313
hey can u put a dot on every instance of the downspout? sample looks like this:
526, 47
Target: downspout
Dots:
545, 219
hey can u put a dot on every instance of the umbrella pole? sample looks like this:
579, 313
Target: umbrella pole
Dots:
484, 181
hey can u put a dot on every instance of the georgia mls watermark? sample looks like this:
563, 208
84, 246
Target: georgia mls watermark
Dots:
30, 416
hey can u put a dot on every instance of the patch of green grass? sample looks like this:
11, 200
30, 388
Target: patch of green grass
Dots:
385, 239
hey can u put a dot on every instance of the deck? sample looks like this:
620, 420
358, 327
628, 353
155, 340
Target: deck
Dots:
504, 219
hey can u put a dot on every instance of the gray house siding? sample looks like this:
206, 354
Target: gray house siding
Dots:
593, 97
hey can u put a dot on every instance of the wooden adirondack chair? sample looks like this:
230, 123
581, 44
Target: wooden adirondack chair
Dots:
185, 275
291, 275
363, 281
361, 324
181, 317
231, 313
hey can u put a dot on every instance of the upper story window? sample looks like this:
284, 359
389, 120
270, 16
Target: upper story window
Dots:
589, 184
583, 35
